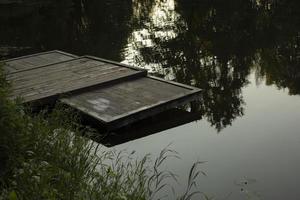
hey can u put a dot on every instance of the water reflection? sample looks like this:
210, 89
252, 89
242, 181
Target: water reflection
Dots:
145, 127
160, 25
213, 45
94, 27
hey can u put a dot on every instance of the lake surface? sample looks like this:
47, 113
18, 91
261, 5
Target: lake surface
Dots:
244, 54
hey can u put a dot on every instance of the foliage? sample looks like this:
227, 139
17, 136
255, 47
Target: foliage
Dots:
44, 156
213, 45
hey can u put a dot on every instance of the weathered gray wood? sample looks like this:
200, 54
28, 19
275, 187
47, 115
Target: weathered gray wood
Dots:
67, 76
122, 103
113, 93
35, 60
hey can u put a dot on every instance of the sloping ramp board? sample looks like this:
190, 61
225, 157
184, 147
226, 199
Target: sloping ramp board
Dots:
123, 103
36, 60
50, 81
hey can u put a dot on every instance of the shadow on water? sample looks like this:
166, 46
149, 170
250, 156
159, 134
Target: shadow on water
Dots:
213, 45
142, 128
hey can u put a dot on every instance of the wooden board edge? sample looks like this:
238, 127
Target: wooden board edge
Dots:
65, 94
142, 128
153, 110
175, 83
66, 53
40, 53
144, 112
136, 75
115, 63
42, 66
189, 96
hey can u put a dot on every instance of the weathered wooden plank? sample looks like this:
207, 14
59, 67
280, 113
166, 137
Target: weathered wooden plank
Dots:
56, 81
42, 53
36, 60
122, 103
57, 72
67, 76
60, 87
113, 93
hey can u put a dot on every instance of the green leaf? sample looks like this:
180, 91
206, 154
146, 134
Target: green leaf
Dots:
12, 195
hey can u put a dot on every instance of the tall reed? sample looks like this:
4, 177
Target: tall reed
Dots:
44, 156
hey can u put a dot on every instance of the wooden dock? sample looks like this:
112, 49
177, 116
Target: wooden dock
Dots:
41, 80
36, 60
115, 94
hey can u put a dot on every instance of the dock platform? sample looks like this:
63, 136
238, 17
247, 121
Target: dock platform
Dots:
51, 80
125, 102
112, 93
36, 60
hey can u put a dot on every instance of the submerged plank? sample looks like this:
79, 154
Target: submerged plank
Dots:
123, 103
36, 60
67, 76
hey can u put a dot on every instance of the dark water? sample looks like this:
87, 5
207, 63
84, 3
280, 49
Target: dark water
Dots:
244, 54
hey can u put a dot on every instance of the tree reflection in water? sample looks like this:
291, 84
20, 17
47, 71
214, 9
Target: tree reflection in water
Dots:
213, 45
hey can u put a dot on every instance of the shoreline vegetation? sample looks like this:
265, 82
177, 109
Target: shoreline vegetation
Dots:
45, 156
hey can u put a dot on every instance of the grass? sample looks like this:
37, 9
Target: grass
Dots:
44, 156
